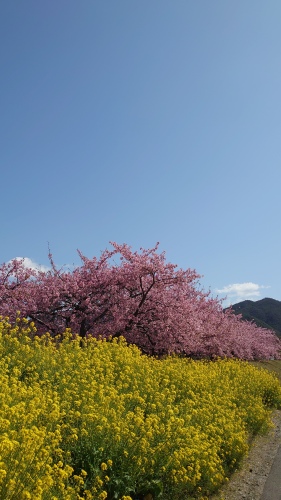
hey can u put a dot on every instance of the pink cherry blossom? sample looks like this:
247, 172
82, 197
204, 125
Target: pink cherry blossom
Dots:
138, 295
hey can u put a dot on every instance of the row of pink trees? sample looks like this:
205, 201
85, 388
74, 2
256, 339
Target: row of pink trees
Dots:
150, 302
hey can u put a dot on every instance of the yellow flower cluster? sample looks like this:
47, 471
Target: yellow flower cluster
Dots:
102, 421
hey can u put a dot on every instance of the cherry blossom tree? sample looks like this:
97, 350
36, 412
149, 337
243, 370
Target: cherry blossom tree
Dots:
138, 295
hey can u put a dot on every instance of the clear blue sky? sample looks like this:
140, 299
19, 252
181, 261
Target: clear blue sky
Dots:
145, 121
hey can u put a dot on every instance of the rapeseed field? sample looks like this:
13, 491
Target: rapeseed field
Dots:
99, 420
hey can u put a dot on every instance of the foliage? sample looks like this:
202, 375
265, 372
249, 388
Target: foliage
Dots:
142, 297
107, 422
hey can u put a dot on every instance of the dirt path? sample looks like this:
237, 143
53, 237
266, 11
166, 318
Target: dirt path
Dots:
272, 487
256, 480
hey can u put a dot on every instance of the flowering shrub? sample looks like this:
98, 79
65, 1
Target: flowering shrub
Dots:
103, 421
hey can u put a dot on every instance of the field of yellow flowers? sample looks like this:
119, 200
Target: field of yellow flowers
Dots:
102, 421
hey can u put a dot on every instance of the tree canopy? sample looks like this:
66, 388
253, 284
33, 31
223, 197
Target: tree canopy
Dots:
138, 295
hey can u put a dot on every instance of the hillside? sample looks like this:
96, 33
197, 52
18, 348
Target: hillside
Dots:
265, 312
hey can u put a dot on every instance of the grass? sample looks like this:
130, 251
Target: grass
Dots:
273, 366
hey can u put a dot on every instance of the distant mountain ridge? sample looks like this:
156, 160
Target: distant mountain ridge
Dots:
265, 312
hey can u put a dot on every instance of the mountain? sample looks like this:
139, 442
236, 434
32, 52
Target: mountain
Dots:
265, 312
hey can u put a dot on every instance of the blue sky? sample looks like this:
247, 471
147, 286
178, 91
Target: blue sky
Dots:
144, 121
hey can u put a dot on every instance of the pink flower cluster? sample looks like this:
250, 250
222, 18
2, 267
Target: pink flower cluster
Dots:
152, 303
